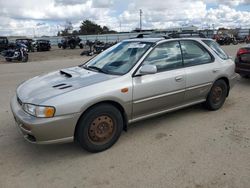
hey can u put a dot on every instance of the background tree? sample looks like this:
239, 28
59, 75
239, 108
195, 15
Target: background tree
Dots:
87, 28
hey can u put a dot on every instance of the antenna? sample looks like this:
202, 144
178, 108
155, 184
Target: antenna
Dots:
140, 20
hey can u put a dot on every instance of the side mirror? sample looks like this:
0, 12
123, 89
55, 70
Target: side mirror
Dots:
147, 69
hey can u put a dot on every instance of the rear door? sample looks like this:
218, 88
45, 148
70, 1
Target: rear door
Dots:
164, 90
200, 68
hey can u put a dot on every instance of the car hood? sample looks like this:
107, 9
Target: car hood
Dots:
41, 88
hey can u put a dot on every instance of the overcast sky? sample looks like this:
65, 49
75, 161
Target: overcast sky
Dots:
46, 17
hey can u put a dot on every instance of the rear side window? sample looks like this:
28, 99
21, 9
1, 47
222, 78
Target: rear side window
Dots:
216, 48
194, 53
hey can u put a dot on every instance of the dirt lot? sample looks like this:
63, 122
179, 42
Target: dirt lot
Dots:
190, 148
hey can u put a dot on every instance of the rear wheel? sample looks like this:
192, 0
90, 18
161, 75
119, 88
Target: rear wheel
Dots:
217, 95
99, 128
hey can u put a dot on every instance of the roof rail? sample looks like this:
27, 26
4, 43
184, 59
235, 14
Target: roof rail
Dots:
141, 35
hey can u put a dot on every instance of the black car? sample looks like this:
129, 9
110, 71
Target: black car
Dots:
3, 43
242, 61
27, 42
42, 45
70, 42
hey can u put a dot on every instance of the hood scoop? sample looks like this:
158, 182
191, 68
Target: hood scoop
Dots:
65, 73
62, 86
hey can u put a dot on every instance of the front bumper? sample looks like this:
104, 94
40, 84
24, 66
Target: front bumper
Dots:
58, 129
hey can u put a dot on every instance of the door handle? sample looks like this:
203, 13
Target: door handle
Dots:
216, 70
178, 78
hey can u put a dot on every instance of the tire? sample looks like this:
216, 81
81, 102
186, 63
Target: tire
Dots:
217, 95
72, 46
8, 59
25, 58
99, 128
235, 42
81, 46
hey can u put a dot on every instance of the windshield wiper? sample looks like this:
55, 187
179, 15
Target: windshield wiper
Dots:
96, 68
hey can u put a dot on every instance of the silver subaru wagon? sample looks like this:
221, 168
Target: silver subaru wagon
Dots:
133, 80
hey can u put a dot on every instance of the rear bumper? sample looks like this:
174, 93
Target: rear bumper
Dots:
242, 69
58, 129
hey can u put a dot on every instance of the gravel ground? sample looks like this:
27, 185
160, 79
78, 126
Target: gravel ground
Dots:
190, 148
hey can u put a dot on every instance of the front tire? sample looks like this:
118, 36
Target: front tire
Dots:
217, 95
99, 128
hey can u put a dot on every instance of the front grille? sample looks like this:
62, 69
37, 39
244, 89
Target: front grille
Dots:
19, 101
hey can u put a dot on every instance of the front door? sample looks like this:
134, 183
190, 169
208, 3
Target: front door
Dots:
163, 90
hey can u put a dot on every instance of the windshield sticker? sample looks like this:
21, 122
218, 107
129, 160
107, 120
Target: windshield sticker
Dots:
136, 45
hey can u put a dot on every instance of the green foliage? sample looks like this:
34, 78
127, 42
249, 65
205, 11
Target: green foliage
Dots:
87, 28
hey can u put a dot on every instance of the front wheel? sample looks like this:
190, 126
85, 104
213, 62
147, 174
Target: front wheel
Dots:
217, 95
99, 128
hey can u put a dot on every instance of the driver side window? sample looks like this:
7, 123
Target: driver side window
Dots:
166, 56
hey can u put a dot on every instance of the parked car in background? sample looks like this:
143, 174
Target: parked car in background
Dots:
70, 42
242, 61
17, 52
247, 39
3, 43
28, 43
42, 45
225, 39
130, 81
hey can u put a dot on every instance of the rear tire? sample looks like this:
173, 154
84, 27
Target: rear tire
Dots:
217, 95
99, 128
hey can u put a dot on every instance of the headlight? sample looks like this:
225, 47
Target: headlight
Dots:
39, 111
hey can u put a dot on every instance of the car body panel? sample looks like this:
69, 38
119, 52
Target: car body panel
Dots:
41, 88
45, 130
156, 92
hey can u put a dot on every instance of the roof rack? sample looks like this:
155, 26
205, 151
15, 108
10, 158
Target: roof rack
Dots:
141, 35
186, 34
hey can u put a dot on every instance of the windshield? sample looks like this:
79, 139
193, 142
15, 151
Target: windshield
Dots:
120, 58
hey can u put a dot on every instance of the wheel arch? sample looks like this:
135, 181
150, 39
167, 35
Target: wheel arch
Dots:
113, 103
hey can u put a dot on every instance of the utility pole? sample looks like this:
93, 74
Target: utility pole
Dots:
140, 20
120, 25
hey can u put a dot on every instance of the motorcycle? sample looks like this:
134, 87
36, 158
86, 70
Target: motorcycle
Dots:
18, 53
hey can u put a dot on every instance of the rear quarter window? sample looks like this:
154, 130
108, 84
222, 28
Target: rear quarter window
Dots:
216, 48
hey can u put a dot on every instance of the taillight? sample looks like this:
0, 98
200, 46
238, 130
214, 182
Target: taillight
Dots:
243, 51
